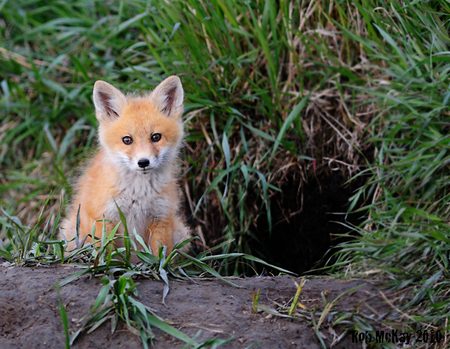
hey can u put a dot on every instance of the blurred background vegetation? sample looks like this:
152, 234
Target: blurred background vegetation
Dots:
299, 114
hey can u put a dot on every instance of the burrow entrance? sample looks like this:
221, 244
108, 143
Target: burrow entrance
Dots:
308, 222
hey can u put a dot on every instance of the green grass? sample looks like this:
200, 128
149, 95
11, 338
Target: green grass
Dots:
274, 92
115, 302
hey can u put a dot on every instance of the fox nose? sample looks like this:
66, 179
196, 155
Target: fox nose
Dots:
143, 163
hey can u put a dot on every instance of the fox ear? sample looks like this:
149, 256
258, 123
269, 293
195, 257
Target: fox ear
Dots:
109, 101
168, 96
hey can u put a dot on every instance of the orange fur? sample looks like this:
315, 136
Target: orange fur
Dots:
119, 175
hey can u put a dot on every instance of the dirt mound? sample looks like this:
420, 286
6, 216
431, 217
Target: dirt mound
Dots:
30, 316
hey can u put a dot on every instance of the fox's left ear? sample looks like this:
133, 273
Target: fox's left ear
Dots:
168, 96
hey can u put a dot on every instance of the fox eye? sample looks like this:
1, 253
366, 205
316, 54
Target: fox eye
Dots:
156, 137
127, 140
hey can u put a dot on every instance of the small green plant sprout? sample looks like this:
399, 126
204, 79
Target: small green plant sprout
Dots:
297, 295
255, 296
65, 322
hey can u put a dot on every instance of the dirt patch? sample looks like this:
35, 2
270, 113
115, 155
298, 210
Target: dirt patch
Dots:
30, 317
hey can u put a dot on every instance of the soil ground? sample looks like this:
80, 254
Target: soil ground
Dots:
30, 316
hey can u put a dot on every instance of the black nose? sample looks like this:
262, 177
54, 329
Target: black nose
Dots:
143, 163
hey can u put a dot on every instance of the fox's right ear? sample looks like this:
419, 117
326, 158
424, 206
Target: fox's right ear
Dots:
109, 101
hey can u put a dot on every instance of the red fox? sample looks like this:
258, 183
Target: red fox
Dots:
134, 168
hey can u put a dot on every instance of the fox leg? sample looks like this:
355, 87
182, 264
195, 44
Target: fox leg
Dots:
181, 233
161, 234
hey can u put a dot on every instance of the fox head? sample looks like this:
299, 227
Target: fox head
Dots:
143, 133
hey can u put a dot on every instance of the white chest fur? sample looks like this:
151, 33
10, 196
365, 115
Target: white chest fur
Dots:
140, 199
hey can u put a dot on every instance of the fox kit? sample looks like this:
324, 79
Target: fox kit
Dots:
134, 168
